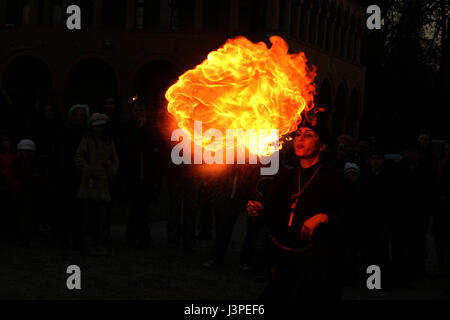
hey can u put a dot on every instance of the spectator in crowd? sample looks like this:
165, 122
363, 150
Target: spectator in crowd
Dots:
110, 107
227, 195
140, 172
183, 193
49, 126
442, 219
97, 160
362, 154
410, 220
26, 174
8, 185
345, 151
379, 200
354, 218
68, 178
254, 228
6, 111
427, 158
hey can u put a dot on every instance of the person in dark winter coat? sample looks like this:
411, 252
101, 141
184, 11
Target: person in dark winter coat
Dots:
49, 127
442, 219
227, 192
8, 185
26, 175
355, 217
380, 196
68, 177
140, 171
410, 221
302, 211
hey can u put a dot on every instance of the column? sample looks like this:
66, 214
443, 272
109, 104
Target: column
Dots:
332, 24
324, 31
131, 11
315, 30
350, 44
357, 47
46, 13
306, 22
234, 15
34, 14
2, 12
297, 15
338, 35
198, 18
344, 41
164, 14
285, 23
272, 15
98, 12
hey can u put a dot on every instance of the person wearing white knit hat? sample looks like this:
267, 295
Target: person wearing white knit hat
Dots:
351, 171
27, 191
26, 144
84, 107
78, 114
97, 160
98, 119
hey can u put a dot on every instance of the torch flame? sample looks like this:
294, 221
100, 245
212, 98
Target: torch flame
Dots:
245, 85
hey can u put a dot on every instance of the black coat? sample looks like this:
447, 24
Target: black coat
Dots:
325, 194
139, 154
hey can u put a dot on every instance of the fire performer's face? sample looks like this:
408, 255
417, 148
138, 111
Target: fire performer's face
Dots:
307, 143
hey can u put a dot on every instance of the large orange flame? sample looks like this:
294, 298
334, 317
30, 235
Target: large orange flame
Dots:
245, 85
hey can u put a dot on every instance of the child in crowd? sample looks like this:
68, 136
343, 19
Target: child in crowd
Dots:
26, 174
7, 184
97, 159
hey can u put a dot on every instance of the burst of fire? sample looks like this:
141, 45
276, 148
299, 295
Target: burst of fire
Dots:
245, 85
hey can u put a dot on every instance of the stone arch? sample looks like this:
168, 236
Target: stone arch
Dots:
27, 74
150, 83
89, 80
152, 80
27, 80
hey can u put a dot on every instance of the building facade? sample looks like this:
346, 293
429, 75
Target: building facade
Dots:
126, 47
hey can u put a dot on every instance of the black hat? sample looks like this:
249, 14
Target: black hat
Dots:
316, 121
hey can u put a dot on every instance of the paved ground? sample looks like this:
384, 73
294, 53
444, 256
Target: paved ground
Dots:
159, 273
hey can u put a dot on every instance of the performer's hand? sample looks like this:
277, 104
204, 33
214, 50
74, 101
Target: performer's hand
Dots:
254, 208
311, 224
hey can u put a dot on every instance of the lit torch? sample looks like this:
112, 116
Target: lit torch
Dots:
245, 85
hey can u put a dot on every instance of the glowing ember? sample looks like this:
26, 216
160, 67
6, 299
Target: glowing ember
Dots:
245, 86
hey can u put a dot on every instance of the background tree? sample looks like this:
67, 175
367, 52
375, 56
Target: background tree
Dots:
407, 70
